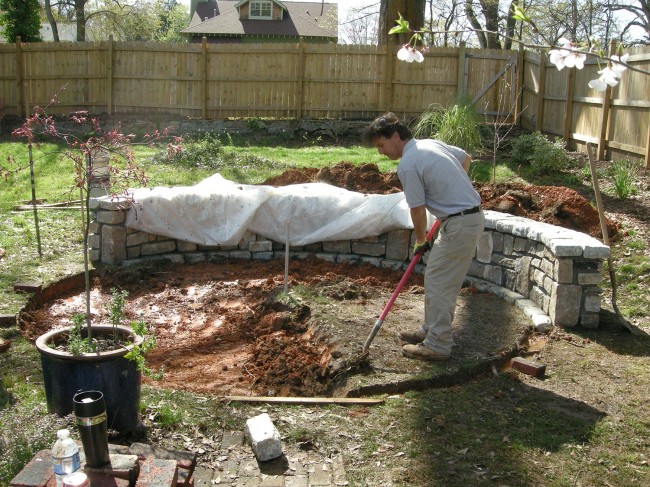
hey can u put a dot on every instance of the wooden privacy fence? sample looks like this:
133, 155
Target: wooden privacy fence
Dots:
305, 80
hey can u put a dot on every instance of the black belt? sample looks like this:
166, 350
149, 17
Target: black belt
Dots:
476, 209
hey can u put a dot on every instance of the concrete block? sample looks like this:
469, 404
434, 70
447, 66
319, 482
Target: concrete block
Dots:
327, 257
589, 278
523, 269
263, 437
263, 256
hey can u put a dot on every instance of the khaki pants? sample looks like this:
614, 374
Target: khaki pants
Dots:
447, 265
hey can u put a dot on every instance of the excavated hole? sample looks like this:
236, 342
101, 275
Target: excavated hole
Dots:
229, 329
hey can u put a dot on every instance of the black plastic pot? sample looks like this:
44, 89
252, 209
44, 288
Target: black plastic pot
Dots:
116, 377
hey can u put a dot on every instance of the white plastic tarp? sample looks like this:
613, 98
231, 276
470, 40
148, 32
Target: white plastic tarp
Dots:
217, 211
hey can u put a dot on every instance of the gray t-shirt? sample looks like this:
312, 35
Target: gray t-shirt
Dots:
432, 174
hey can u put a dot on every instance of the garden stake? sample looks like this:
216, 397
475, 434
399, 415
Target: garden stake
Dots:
603, 227
407, 273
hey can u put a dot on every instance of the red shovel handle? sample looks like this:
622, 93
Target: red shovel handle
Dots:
402, 282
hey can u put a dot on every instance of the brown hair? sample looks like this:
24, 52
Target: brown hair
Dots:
385, 126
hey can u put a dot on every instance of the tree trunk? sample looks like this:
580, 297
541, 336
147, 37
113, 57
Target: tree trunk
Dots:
50, 19
80, 14
389, 12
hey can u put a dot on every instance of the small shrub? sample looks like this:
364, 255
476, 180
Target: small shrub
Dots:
538, 153
458, 125
204, 152
623, 178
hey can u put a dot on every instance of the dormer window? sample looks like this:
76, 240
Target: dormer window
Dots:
261, 10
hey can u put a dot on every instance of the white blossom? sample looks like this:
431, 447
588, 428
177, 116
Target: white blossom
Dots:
610, 75
409, 54
565, 57
617, 67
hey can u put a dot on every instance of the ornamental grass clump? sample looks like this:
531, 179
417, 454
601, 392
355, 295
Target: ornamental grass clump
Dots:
458, 125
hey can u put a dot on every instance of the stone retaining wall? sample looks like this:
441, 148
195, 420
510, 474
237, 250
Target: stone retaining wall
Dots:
551, 273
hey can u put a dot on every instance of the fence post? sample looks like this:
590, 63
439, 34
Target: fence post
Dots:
204, 77
19, 79
461, 85
647, 147
388, 75
301, 77
519, 84
109, 75
539, 112
568, 115
607, 103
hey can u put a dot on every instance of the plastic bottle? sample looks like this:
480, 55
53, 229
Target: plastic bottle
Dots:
65, 456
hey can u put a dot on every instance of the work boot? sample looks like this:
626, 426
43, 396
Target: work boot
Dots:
413, 336
422, 352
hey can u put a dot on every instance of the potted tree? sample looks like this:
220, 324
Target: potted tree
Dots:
86, 355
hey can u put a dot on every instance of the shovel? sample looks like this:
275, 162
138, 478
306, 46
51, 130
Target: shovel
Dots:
407, 273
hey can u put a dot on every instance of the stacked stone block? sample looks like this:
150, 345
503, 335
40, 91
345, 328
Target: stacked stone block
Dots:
552, 273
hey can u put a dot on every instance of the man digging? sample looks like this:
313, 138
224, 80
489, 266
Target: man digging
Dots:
434, 177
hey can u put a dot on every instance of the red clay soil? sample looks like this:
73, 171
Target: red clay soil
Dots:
227, 328
556, 205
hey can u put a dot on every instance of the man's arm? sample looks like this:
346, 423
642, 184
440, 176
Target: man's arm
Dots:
419, 218
466, 163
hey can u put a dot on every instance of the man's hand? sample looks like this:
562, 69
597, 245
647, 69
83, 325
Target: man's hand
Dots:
421, 247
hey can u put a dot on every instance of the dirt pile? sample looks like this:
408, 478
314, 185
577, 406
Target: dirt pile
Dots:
555, 205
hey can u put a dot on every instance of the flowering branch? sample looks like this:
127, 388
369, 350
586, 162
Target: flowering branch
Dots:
565, 54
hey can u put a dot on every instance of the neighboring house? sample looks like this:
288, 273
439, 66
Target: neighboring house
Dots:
245, 21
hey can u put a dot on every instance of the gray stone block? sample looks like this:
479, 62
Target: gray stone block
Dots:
153, 248
564, 308
374, 249
397, 245
110, 217
113, 248
338, 246
263, 437
484, 248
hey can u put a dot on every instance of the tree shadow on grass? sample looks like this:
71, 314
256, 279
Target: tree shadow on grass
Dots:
479, 432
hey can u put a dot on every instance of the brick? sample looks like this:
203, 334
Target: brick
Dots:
263, 437
122, 466
39, 472
186, 460
7, 320
232, 439
203, 477
158, 473
28, 286
528, 367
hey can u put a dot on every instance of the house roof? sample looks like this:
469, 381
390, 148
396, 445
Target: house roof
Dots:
300, 19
